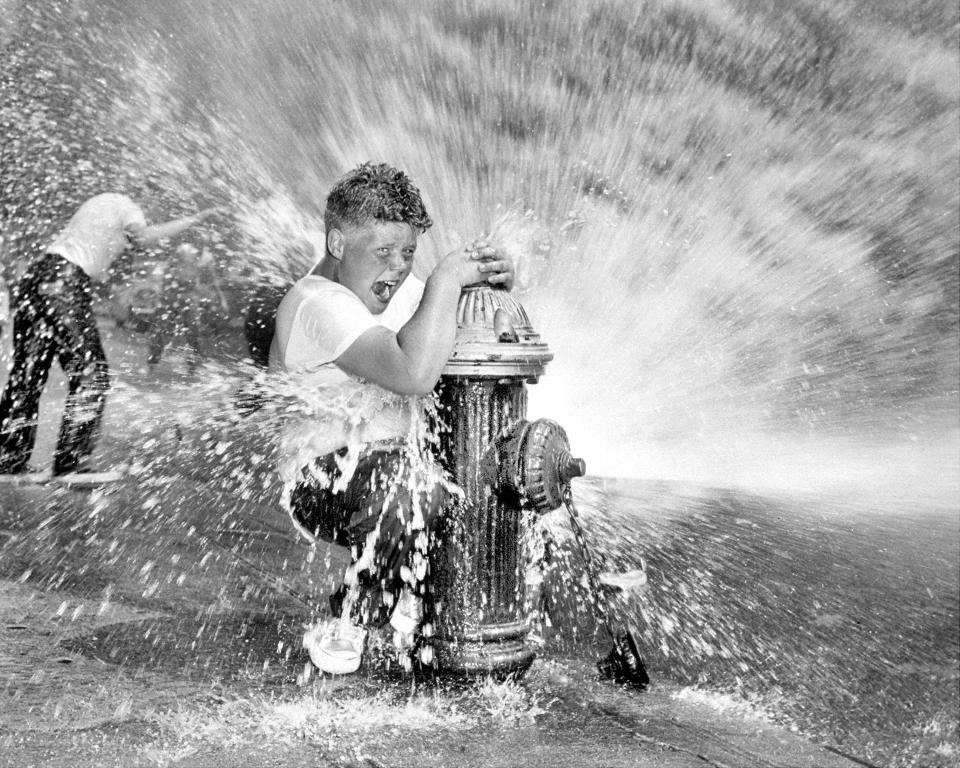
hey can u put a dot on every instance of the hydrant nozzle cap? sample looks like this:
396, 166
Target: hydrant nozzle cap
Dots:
569, 467
495, 338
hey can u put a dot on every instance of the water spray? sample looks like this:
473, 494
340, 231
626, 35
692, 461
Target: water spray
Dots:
623, 664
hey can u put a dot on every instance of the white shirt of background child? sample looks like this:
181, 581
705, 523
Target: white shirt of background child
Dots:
98, 233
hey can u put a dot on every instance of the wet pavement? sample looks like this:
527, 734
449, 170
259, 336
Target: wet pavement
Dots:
194, 661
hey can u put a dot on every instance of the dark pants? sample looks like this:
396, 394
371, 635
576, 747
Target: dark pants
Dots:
53, 318
384, 494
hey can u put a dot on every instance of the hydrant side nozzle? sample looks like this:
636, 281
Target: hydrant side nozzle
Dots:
530, 465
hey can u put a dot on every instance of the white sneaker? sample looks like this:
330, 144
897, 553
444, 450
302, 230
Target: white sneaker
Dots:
407, 614
335, 647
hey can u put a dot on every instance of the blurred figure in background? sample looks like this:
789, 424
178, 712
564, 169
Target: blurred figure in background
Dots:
191, 293
53, 317
260, 317
259, 321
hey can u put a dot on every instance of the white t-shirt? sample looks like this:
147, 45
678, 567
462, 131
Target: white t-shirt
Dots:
317, 321
97, 233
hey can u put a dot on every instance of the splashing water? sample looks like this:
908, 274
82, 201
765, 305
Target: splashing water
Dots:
736, 225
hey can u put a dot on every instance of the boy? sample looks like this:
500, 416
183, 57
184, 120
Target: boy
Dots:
362, 331
54, 318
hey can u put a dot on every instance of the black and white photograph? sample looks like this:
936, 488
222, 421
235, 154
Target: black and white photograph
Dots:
479, 384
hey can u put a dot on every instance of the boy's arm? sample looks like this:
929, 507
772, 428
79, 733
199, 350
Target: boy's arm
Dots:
154, 233
409, 362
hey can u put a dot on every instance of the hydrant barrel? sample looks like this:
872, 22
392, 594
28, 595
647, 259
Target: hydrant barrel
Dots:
478, 590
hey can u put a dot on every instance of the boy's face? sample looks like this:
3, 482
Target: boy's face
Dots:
375, 259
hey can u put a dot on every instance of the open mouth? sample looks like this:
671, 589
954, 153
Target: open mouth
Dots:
383, 289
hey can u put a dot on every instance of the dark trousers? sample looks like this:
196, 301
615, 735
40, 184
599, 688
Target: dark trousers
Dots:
386, 494
53, 318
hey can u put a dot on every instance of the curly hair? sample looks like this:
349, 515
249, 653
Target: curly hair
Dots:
375, 191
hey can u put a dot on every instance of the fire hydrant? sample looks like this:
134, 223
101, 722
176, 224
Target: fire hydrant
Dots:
504, 464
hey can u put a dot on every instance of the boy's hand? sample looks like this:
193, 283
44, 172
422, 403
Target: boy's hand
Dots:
495, 264
478, 263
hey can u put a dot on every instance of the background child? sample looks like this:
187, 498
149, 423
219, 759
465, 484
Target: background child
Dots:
54, 318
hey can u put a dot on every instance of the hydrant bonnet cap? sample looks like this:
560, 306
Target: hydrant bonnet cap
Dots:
495, 338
